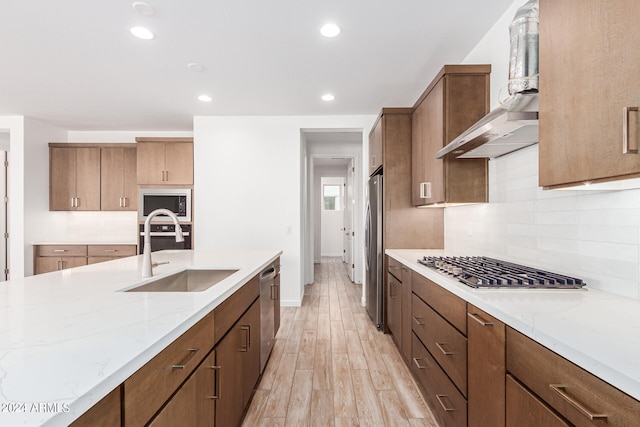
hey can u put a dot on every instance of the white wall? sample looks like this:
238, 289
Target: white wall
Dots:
248, 184
332, 222
593, 235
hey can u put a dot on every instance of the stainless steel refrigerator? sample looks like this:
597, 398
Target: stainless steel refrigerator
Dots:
373, 252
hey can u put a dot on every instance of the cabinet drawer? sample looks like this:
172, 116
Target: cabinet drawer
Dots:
448, 405
62, 250
524, 409
231, 309
444, 342
112, 250
448, 305
570, 390
147, 390
395, 268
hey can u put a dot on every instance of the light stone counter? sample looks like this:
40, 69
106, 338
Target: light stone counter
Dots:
597, 331
68, 338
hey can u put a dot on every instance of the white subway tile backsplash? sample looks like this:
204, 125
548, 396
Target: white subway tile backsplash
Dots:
592, 235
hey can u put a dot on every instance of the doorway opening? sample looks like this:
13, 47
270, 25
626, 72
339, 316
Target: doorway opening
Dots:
332, 200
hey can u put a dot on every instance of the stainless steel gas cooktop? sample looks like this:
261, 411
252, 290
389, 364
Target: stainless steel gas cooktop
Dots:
484, 272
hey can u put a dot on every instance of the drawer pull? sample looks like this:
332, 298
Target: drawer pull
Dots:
418, 321
445, 407
111, 250
192, 351
417, 362
479, 319
441, 348
625, 131
560, 389
59, 250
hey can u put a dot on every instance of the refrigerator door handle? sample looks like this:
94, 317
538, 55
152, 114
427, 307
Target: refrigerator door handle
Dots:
367, 235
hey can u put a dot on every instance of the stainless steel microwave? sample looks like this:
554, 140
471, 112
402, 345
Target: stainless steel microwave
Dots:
177, 200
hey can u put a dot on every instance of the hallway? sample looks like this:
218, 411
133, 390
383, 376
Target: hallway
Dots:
331, 367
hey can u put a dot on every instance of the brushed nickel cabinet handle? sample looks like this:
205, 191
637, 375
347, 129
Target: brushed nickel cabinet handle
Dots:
441, 348
77, 202
479, 320
425, 190
216, 383
625, 131
373, 161
125, 202
111, 250
418, 321
59, 265
417, 362
182, 365
445, 407
247, 338
59, 250
560, 389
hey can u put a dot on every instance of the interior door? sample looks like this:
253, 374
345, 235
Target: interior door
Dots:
349, 219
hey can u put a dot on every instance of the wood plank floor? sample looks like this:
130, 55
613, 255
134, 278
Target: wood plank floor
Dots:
331, 367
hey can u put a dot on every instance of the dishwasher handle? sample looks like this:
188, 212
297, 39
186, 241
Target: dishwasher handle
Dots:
268, 274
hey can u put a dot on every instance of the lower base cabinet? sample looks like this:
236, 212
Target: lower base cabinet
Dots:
525, 409
194, 403
238, 367
105, 413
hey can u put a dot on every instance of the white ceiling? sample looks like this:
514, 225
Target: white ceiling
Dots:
74, 64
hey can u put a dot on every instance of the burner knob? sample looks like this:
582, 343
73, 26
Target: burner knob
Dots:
457, 271
439, 264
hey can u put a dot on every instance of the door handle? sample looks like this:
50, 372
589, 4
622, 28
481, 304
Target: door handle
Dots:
625, 132
247, 338
425, 190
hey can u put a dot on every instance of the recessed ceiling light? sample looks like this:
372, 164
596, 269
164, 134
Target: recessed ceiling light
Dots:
205, 98
330, 30
142, 33
144, 8
328, 97
194, 66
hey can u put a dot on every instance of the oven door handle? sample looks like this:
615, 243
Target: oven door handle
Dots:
163, 234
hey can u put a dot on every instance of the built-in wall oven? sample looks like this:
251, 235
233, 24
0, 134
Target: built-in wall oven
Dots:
163, 236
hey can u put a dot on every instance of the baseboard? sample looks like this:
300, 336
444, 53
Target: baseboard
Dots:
290, 303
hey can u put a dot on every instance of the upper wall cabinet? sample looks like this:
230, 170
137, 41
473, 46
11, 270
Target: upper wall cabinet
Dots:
589, 91
118, 188
74, 178
92, 177
457, 98
165, 161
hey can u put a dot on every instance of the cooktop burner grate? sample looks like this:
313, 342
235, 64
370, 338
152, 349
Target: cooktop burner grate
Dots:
484, 272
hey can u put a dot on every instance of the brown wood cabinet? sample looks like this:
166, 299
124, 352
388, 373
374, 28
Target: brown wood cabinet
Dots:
118, 186
486, 369
59, 257
525, 409
194, 403
456, 98
575, 394
375, 143
588, 76
105, 413
165, 161
276, 298
151, 386
238, 359
74, 178
394, 305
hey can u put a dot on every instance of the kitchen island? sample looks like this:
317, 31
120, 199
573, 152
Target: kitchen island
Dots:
69, 338
559, 342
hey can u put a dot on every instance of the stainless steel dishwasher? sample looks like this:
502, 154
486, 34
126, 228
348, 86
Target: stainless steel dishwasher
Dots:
267, 313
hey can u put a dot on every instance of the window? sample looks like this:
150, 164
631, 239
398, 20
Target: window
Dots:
331, 195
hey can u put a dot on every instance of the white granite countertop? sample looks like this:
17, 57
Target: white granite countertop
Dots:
69, 337
593, 329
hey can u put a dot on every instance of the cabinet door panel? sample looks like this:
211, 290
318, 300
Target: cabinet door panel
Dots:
88, 179
150, 163
229, 405
62, 178
486, 369
394, 295
375, 146
70, 262
130, 182
111, 179
105, 413
179, 163
46, 264
594, 76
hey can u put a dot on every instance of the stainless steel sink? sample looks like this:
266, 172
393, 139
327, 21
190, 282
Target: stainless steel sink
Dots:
185, 281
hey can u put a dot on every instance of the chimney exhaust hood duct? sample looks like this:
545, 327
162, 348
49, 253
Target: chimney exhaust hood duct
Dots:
514, 124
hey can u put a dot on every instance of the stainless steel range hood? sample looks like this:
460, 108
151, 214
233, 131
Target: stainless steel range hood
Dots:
510, 127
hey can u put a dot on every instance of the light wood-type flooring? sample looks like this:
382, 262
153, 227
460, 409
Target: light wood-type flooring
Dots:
331, 367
